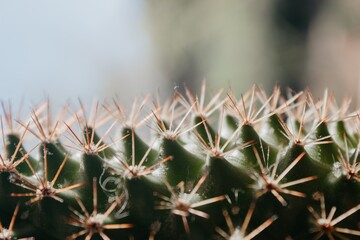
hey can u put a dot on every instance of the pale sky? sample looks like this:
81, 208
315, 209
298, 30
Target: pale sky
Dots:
69, 49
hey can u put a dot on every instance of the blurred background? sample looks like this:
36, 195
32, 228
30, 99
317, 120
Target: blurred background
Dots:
87, 49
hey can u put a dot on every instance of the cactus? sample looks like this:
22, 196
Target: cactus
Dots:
257, 167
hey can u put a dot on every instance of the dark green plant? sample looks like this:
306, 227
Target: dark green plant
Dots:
258, 167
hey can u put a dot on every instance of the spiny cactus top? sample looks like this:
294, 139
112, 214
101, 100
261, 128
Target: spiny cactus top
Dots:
253, 166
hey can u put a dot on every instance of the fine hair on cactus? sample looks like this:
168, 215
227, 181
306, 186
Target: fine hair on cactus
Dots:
220, 166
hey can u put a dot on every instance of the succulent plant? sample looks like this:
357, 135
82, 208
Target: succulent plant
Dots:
257, 167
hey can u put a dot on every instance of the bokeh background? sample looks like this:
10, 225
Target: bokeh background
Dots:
87, 49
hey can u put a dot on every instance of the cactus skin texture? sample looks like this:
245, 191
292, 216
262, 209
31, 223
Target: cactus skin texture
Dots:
257, 167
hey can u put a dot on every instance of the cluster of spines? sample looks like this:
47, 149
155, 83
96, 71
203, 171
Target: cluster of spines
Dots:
200, 176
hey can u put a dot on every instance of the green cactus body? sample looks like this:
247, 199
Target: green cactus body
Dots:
262, 167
